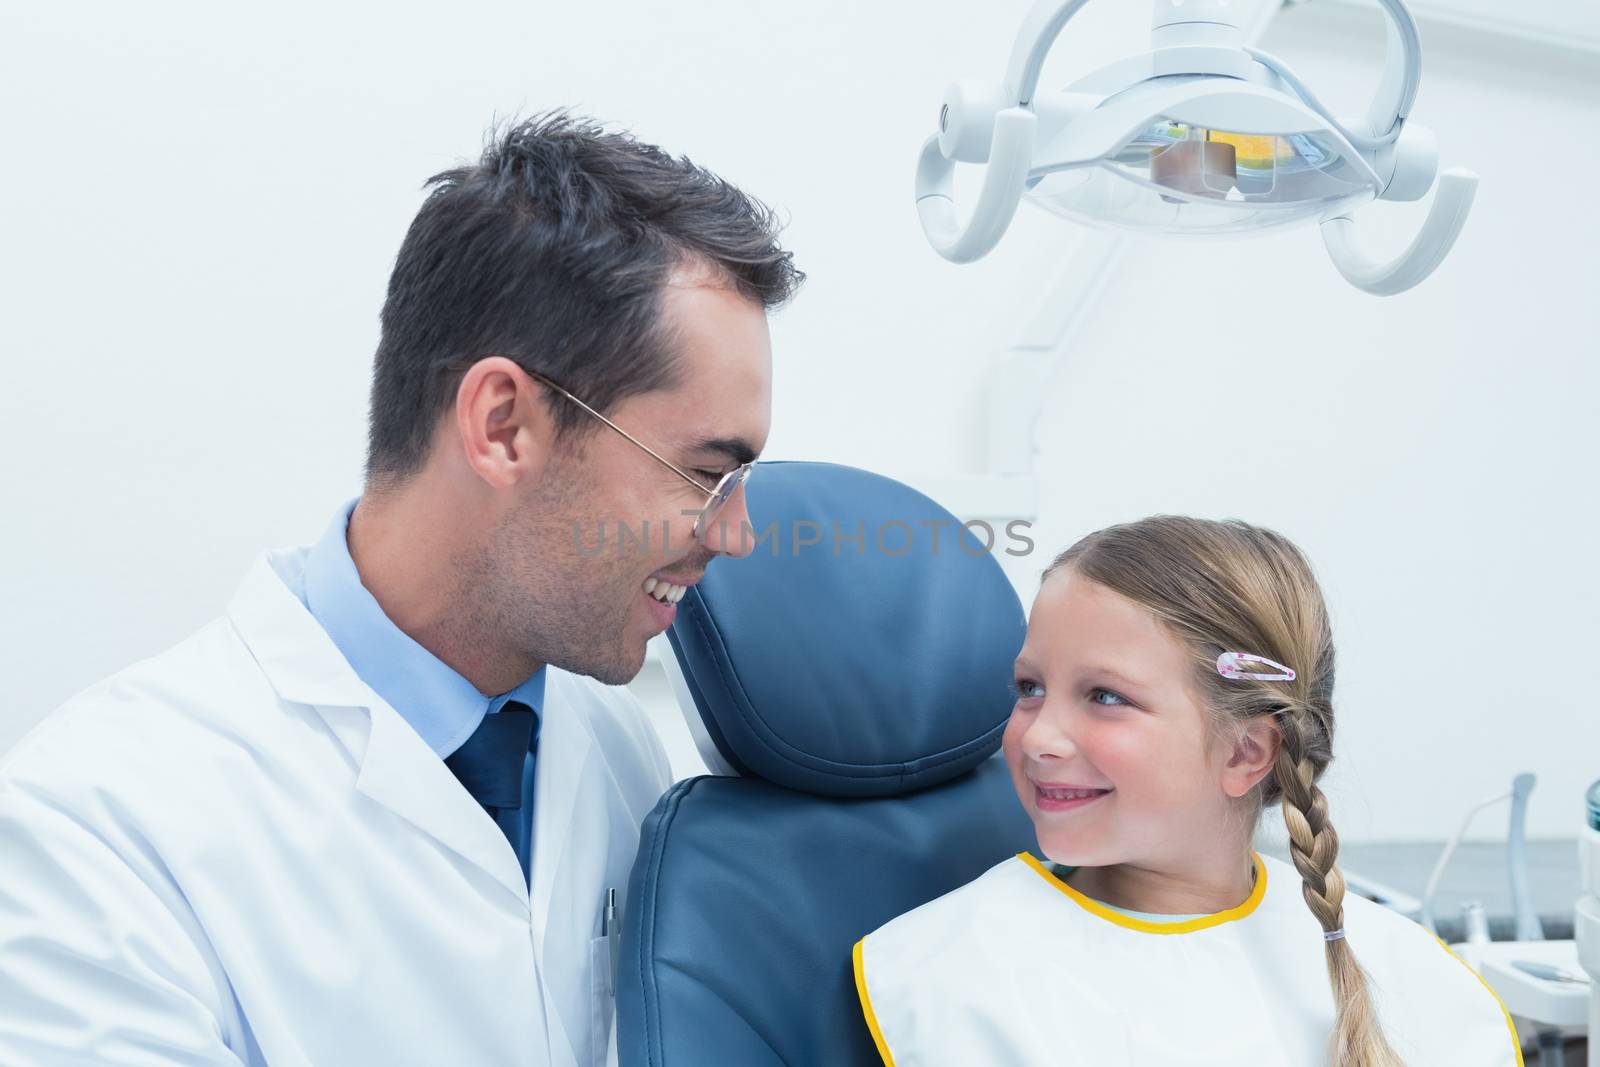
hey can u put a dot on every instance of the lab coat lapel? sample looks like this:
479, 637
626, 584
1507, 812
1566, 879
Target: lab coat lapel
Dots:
565, 749
397, 768
403, 774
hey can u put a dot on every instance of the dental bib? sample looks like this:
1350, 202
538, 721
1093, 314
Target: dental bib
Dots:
1019, 968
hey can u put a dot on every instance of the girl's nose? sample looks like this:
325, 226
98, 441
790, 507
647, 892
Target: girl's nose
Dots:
1046, 739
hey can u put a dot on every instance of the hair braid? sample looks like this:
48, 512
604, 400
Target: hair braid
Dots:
1357, 1039
1313, 842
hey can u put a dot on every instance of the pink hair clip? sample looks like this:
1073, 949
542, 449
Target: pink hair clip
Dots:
1229, 666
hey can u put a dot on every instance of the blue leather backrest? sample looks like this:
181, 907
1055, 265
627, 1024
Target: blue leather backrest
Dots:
862, 696
851, 667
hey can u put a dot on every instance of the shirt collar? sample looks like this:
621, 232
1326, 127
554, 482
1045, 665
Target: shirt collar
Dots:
441, 706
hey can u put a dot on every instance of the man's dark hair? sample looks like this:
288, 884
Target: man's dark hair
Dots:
553, 251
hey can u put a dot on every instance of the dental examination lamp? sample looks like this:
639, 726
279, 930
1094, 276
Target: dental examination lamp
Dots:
1202, 134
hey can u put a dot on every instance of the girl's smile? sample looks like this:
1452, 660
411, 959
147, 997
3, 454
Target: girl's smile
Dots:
1054, 798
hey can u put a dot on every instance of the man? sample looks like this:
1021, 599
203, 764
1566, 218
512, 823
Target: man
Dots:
372, 814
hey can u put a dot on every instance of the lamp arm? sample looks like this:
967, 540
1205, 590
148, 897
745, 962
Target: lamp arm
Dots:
1037, 36
1398, 89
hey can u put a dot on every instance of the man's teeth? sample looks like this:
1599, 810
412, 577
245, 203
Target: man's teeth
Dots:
665, 592
1071, 794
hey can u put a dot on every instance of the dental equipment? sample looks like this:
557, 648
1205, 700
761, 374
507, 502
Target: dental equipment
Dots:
1528, 927
1551, 973
1202, 135
1586, 922
1521, 971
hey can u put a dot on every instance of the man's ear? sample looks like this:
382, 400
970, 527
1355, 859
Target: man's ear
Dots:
1252, 757
503, 426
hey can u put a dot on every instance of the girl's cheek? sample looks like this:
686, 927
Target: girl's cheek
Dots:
1161, 767
1110, 744
1011, 748
1123, 752
1011, 738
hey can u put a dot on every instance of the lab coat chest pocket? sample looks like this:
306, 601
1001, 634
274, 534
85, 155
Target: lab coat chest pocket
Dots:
600, 1000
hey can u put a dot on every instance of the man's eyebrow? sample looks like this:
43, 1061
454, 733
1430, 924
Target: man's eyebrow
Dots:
735, 448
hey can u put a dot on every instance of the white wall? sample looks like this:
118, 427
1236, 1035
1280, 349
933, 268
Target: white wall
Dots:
202, 203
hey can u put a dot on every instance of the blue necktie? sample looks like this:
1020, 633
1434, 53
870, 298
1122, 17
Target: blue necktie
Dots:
490, 766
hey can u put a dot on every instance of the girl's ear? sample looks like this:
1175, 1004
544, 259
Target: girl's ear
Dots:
1252, 757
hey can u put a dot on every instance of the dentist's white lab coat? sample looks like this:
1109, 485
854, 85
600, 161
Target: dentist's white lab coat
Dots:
236, 852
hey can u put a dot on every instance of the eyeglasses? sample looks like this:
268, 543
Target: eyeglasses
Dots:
716, 497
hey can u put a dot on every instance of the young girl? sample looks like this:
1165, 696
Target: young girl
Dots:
1177, 677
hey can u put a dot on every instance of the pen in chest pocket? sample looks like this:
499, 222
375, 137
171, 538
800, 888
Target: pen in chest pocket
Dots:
613, 936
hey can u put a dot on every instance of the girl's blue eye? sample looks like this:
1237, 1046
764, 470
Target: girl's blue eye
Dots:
1094, 694
1021, 689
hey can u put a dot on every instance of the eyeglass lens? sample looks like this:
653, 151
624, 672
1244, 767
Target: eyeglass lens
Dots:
725, 488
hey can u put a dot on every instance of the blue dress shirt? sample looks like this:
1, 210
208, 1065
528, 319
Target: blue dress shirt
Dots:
441, 706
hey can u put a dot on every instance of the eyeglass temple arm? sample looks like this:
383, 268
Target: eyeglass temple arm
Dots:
659, 458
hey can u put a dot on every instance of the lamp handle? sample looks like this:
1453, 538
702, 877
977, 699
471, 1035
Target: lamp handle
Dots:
1010, 149
1010, 156
1446, 215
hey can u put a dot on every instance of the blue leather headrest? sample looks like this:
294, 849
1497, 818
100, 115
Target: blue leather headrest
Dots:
850, 667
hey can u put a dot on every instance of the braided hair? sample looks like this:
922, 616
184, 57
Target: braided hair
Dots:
1221, 586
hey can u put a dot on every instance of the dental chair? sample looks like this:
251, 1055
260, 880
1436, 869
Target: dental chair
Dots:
851, 694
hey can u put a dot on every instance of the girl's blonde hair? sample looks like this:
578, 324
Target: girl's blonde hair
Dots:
1232, 587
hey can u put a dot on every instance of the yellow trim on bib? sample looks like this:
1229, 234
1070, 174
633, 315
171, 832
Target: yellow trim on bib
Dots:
866, 1005
1516, 1042
1186, 926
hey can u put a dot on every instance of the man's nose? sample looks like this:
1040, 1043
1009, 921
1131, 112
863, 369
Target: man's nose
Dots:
730, 533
